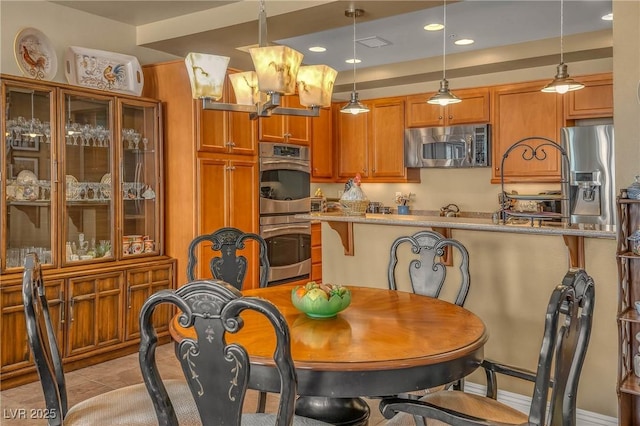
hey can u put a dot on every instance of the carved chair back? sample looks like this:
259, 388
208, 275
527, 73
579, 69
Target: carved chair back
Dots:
230, 265
216, 371
564, 347
42, 339
427, 271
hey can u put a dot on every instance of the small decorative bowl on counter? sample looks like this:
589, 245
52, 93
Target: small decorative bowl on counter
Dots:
320, 300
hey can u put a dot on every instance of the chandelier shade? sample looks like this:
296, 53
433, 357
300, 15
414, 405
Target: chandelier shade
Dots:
206, 74
315, 85
245, 87
276, 67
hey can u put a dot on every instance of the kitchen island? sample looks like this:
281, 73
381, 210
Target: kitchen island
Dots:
573, 234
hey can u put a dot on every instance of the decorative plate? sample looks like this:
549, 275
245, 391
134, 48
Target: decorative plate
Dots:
106, 185
35, 55
99, 69
26, 177
72, 187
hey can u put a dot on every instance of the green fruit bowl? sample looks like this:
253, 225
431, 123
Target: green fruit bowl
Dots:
317, 304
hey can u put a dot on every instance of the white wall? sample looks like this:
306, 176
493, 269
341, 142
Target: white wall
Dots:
67, 27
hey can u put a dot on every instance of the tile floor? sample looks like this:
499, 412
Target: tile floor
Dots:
90, 381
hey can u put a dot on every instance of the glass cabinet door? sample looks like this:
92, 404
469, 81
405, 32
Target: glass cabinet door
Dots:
88, 196
26, 174
139, 178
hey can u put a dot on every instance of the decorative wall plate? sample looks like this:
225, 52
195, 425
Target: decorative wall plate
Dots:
72, 187
35, 55
99, 69
26, 177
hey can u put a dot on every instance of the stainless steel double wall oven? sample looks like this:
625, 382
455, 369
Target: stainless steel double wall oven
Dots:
285, 192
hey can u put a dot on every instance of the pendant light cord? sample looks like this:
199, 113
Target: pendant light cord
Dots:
444, 40
561, 31
354, 49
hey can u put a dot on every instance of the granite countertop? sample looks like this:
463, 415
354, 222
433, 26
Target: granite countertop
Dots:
469, 221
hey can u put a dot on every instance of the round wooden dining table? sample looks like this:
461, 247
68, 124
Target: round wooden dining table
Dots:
385, 343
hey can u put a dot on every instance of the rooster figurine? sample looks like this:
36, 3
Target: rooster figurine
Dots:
36, 66
114, 75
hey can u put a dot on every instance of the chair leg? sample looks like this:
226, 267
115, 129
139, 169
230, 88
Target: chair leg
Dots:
262, 402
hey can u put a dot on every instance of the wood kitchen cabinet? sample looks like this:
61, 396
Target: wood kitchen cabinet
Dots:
227, 131
519, 111
322, 147
207, 188
286, 128
594, 101
372, 143
316, 252
225, 198
473, 109
83, 188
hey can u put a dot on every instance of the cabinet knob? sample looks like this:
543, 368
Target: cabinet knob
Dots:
450, 117
440, 118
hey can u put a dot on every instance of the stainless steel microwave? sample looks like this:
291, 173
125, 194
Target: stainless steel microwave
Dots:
453, 146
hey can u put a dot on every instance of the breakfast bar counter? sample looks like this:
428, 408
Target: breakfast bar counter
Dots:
573, 234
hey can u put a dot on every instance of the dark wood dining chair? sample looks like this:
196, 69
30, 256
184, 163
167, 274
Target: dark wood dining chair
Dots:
564, 345
129, 405
230, 265
427, 271
217, 372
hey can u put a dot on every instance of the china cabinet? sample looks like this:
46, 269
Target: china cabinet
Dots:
628, 317
474, 109
80, 185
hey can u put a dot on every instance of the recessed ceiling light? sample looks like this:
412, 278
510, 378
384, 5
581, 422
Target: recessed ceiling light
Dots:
608, 17
353, 61
318, 49
433, 27
464, 41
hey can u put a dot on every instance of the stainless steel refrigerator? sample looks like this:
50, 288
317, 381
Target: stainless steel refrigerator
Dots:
591, 174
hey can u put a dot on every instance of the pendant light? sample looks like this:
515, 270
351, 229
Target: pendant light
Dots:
444, 95
562, 83
354, 106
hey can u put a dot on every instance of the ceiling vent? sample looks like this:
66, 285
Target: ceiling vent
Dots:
373, 41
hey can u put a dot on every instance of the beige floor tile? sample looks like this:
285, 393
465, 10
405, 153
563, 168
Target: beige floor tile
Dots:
19, 405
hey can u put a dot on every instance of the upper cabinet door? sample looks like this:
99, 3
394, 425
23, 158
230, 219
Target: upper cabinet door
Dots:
27, 180
87, 175
225, 131
594, 101
521, 111
287, 128
140, 177
474, 109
